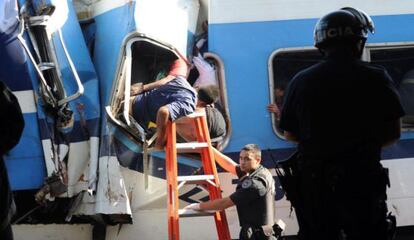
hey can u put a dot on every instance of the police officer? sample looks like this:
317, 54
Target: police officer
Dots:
254, 197
341, 112
12, 61
11, 128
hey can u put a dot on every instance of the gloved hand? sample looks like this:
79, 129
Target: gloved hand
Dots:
273, 108
193, 206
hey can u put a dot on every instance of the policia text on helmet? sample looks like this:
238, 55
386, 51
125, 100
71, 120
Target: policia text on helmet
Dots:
343, 30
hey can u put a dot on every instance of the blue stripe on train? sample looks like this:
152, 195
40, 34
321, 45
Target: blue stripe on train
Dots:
27, 169
14, 70
25, 174
129, 155
270, 157
25, 162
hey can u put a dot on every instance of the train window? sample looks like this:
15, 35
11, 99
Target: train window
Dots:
283, 66
222, 104
142, 61
399, 62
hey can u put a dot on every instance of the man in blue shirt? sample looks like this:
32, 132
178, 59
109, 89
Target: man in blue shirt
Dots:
166, 99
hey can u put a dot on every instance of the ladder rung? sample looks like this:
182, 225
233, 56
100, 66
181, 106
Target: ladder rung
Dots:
194, 213
190, 146
196, 115
195, 178
46, 66
204, 148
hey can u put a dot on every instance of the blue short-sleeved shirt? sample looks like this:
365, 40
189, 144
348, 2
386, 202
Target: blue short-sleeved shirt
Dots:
177, 95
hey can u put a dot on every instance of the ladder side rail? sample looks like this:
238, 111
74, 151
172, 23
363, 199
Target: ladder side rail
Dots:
209, 165
172, 188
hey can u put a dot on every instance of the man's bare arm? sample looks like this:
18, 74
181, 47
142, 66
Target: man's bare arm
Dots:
138, 89
217, 204
158, 83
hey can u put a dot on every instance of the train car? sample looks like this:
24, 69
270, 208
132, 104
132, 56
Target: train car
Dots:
77, 86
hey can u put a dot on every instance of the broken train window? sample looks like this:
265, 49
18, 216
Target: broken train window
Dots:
143, 61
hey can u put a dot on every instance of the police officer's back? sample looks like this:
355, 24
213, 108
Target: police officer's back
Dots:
341, 111
11, 128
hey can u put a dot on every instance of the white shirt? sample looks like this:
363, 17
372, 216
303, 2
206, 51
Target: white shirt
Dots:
207, 72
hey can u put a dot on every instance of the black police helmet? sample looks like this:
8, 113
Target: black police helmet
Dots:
345, 25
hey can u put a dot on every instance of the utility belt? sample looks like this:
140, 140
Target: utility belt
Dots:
335, 173
265, 232
304, 173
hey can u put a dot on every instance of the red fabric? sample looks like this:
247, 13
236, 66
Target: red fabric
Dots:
178, 68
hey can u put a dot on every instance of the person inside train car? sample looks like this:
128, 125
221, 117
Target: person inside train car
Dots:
167, 99
341, 112
203, 72
201, 40
254, 198
207, 74
206, 97
276, 107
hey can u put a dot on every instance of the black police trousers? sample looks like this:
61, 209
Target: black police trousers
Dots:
254, 233
6, 233
349, 205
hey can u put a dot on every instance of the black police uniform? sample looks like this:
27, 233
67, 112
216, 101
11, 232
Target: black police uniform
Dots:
11, 127
254, 199
336, 108
11, 119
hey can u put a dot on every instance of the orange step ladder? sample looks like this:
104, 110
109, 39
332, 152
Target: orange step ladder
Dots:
210, 177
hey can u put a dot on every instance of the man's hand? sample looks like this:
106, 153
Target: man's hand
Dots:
193, 206
273, 108
137, 89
